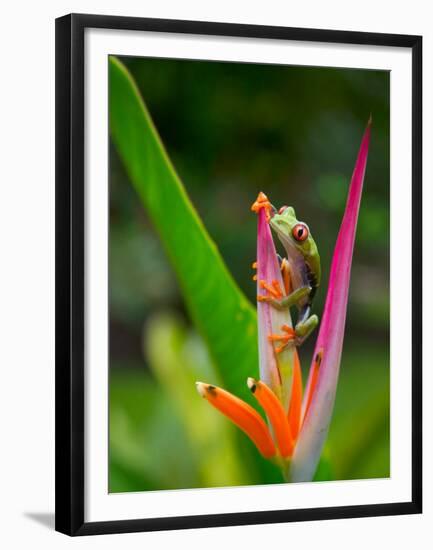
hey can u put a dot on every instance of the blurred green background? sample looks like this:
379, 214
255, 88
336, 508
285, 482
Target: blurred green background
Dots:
232, 130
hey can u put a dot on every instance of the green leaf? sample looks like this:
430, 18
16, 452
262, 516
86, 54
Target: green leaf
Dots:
220, 311
324, 470
171, 348
149, 447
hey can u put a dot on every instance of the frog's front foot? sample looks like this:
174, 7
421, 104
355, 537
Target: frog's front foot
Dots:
303, 329
273, 292
275, 296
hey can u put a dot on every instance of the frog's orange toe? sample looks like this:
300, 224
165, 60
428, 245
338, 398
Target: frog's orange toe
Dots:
273, 290
262, 201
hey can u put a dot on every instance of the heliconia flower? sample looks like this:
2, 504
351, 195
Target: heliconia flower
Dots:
298, 421
331, 334
275, 329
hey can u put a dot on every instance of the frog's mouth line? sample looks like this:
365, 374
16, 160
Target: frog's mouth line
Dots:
277, 226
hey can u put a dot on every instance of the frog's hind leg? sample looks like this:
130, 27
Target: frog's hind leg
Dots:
305, 325
282, 299
284, 339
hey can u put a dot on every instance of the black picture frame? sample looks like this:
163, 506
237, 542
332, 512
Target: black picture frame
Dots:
70, 234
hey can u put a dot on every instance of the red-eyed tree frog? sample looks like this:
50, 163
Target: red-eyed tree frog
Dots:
302, 268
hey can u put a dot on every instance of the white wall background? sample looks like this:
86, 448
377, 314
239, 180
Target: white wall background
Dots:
27, 272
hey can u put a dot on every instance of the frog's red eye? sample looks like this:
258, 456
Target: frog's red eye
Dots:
300, 232
281, 210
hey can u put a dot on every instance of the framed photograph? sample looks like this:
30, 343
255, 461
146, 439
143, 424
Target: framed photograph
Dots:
238, 274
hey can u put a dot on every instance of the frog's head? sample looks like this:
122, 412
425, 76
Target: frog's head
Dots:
296, 238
